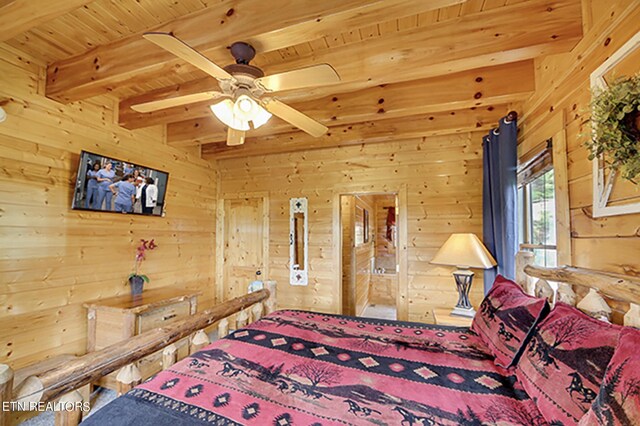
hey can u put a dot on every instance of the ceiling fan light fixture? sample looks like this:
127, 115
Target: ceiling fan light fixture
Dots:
261, 117
238, 114
225, 112
245, 104
246, 108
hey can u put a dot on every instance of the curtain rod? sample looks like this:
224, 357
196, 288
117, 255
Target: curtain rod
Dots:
511, 116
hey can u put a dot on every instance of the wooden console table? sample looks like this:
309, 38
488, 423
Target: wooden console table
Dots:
115, 319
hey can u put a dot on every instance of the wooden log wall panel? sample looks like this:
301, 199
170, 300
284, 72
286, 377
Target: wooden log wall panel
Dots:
444, 196
489, 86
211, 31
52, 258
347, 216
610, 243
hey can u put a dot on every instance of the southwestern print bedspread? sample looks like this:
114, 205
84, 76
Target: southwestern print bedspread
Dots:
303, 368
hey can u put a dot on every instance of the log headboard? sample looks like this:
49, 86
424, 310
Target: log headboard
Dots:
609, 296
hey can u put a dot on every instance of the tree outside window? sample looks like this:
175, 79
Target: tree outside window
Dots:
538, 218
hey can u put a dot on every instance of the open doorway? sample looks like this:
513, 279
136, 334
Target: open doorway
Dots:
369, 239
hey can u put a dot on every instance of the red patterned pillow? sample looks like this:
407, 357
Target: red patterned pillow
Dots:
505, 319
564, 363
618, 402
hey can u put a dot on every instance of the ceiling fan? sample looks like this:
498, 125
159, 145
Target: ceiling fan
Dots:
243, 87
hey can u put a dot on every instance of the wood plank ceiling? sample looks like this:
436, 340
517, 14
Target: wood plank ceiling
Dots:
409, 68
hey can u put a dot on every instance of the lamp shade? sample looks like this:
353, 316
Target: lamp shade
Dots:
464, 250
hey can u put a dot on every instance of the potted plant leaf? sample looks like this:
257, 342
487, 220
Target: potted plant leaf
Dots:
137, 280
615, 121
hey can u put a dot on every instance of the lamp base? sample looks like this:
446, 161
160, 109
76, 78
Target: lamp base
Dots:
464, 279
463, 312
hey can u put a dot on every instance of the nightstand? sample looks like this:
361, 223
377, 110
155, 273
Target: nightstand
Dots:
119, 318
442, 316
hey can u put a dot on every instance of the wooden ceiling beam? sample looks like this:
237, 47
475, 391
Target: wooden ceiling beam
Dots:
475, 88
19, 16
132, 59
451, 122
520, 31
534, 28
455, 90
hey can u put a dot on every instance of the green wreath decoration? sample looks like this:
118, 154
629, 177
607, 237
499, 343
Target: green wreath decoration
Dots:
615, 120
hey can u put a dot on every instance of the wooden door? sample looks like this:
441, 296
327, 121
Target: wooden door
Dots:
243, 244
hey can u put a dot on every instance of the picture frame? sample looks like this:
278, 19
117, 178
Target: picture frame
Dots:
603, 182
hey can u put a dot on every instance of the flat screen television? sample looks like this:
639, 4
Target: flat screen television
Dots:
111, 185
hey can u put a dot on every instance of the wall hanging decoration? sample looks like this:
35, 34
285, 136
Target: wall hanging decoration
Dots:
298, 242
615, 127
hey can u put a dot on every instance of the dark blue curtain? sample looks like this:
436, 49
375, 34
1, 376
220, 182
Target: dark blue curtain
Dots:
499, 200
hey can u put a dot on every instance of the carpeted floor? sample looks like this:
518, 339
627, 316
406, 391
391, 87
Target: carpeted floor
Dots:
380, 312
99, 398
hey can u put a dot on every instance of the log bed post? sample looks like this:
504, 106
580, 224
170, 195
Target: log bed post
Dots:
271, 303
242, 319
169, 356
632, 317
6, 387
128, 377
198, 341
256, 311
524, 258
70, 412
223, 328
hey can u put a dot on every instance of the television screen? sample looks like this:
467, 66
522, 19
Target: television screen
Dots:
107, 184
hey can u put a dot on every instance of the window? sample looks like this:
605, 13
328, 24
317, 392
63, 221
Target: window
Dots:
537, 217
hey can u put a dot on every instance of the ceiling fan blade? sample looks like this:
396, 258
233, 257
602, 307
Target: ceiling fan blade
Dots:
235, 137
316, 75
295, 117
184, 51
177, 101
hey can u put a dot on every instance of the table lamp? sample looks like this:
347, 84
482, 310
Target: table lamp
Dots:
464, 251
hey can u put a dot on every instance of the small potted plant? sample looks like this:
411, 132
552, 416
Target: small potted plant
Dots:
136, 280
615, 121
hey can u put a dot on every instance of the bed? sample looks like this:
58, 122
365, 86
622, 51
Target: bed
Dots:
304, 368
530, 358
521, 363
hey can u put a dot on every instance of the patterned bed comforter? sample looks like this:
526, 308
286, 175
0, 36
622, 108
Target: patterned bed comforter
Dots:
303, 368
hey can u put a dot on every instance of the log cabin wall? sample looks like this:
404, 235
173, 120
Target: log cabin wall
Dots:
561, 103
440, 175
347, 216
52, 258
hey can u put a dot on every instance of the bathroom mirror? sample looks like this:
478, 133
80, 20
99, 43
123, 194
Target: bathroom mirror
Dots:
298, 241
